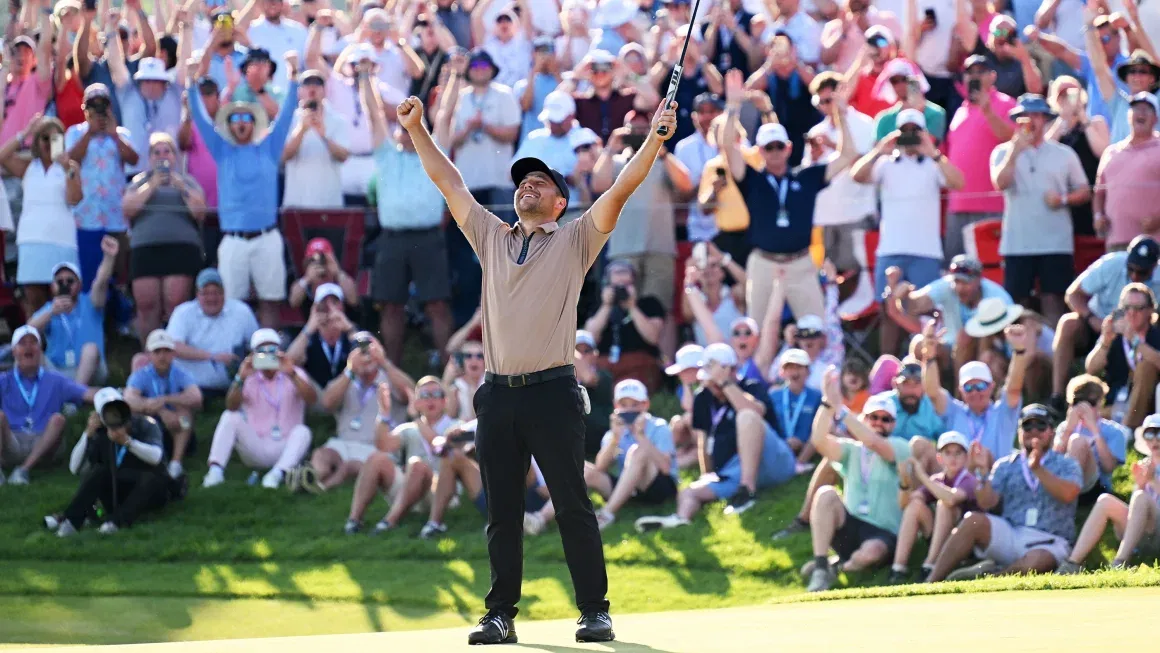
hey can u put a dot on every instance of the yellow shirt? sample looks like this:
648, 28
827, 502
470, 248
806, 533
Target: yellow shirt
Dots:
731, 213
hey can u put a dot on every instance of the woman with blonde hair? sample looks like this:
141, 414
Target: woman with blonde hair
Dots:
46, 234
1089, 137
165, 207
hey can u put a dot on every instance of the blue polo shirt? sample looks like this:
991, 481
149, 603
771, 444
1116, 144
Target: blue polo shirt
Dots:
925, 421
48, 391
794, 414
761, 192
1097, 106
1115, 435
151, 384
72, 331
556, 151
995, 428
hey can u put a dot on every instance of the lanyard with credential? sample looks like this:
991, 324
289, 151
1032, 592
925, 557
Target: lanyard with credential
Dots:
1029, 478
29, 397
782, 194
790, 420
332, 356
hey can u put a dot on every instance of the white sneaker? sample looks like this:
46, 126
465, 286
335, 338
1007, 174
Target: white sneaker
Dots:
604, 519
273, 479
18, 477
645, 524
66, 529
175, 469
822, 579
51, 522
215, 476
533, 523
107, 528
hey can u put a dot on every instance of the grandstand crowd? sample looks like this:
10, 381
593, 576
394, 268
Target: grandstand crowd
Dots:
905, 247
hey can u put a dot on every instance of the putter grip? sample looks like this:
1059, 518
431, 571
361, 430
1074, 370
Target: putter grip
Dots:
674, 82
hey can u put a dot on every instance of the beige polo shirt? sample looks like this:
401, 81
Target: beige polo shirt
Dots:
529, 307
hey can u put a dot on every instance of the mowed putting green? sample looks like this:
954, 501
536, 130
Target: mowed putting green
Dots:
1072, 620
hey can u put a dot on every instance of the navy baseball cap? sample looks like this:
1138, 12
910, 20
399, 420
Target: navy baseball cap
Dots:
530, 164
977, 60
1035, 412
1143, 252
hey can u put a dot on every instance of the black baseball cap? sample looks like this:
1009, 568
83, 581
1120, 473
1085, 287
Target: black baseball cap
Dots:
977, 60
1035, 412
530, 164
1143, 252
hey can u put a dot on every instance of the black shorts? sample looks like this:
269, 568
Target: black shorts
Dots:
659, 491
1089, 498
856, 531
165, 261
1054, 272
411, 255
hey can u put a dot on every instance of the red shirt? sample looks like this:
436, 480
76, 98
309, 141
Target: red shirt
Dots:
68, 101
863, 99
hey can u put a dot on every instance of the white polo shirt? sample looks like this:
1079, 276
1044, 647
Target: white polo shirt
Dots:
845, 201
909, 189
313, 176
279, 38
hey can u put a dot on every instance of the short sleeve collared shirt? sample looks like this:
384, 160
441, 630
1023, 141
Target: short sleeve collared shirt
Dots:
531, 283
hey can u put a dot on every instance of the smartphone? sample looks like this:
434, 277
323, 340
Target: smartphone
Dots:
224, 21
701, 255
721, 172
56, 148
973, 86
311, 106
264, 361
90, 5
929, 16
909, 138
1118, 320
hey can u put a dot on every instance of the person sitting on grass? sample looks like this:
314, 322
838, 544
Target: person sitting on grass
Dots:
32, 401
73, 322
120, 459
1136, 523
861, 524
404, 465
637, 459
265, 414
457, 466
1097, 444
1038, 489
685, 369
747, 454
978, 415
953, 493
324, 343
462, 377
794, 405
162, 391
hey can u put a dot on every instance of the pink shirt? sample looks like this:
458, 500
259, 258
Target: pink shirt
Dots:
855, 36
969, 144
23, 99
1130, 175
200, 165
267, 403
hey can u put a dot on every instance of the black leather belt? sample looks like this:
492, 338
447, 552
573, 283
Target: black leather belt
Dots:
521, 380
248, 235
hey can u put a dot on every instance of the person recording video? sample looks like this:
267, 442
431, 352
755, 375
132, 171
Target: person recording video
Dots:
628, 326
120, 460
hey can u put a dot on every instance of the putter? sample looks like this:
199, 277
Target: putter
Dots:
679, 69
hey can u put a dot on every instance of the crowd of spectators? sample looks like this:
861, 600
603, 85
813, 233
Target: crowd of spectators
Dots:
966, 180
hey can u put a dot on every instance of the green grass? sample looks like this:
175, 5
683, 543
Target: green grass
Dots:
241, 561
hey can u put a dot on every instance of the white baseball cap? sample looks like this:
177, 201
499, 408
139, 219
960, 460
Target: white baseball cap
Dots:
810, 323
688, 358
585, 338
1151, 423
911, 117
26, 330
107, 396
795, 357
328, 290
880, 402
630, 389
151, 69
159, 339
72, 267
558, 107
581, 137
975, 370
952, 437
719, 352
265, 337
771, 132
747, 321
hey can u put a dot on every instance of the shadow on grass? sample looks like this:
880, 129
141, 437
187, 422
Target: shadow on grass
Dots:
615, 646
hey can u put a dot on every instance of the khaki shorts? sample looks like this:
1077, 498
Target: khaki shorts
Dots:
348, 450
1010, 543
17, 446
422, 506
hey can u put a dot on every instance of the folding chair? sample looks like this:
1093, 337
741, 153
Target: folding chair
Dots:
981, 241
862, 313
1088, 249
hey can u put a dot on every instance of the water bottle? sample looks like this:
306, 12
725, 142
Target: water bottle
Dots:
1120, 407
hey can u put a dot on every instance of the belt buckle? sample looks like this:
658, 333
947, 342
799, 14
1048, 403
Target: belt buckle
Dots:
519, 380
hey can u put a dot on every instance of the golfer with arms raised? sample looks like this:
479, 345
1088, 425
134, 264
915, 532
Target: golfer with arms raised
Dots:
531, 404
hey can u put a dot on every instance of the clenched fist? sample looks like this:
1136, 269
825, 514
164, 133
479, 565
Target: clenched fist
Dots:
410, 113
665, 117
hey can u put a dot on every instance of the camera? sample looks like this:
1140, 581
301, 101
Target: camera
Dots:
909, 138
721, 172
619, 294
928, 14
311, 106
115, 415
628, 417
973, 86
266, 359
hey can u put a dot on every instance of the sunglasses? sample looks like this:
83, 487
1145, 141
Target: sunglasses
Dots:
583, 148
910, 129
241, 117
774, 147
430, 394
1139, 271
825, 102
584, 349
900, 79
963, 270
477, 355
1136, 307
601, 68
742, 333
885, 419
1034, 425
1151, 434
99, 105
977, 386
480, 65
1139, 70
267, 349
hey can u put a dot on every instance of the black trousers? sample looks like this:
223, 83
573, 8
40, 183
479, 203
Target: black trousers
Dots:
137, 491
545, 420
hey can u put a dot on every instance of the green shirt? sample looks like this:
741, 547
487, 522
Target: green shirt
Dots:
936, 121
243, 94
873, 500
